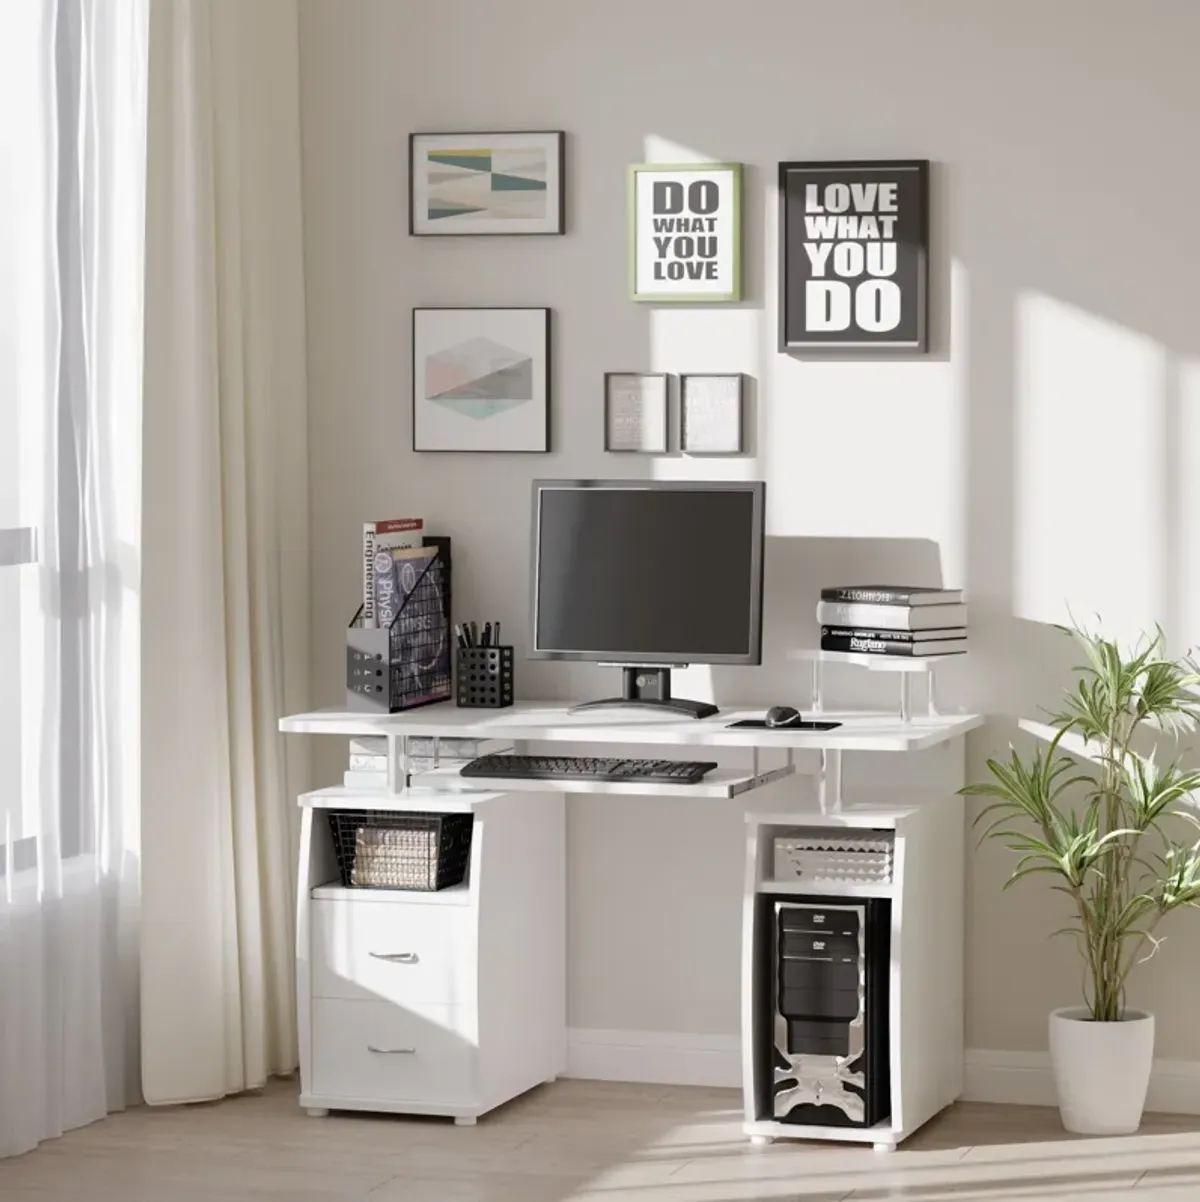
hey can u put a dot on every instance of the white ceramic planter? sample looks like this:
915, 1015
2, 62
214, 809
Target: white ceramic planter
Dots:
1101, 1070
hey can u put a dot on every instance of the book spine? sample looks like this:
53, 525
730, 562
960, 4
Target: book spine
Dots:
367, 763
364, 780
868, 596
368, 597
865, 617
859, 632
869, 646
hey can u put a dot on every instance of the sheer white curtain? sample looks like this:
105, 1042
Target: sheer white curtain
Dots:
72, 153
225, 579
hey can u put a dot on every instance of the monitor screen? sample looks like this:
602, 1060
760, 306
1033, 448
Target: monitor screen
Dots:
643, 572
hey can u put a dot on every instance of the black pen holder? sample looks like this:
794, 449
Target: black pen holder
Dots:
484, 677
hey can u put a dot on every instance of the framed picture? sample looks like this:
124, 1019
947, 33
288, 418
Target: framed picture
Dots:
486, 183
854, 256
481, 379
685, 232
710, 414
635, 412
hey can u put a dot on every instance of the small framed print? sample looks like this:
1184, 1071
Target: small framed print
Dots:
685, 232
710, 414
486, 183
635, 412
481, 379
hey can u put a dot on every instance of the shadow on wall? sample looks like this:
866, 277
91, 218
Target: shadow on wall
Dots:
795, 571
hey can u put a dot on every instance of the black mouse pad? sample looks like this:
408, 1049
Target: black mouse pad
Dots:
761, 724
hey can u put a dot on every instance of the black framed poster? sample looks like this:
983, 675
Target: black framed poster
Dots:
854, 256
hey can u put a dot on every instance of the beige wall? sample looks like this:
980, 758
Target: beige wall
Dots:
1044, 452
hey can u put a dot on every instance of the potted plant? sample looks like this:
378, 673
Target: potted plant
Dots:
1105, 822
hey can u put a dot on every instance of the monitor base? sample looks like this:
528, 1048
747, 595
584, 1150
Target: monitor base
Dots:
650, 689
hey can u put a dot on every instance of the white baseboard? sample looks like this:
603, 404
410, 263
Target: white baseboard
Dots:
655, 1057
1026, 1078
671, 1058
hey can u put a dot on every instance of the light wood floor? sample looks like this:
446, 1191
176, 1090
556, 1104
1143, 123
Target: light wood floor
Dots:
592, 1142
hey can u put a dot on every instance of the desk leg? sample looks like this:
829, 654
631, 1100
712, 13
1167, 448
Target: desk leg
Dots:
830, 787
818, 693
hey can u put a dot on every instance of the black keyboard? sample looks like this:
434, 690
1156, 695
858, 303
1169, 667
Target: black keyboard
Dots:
570, 767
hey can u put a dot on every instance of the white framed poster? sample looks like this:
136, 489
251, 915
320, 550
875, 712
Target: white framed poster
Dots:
486, 183
635, 412
685, 232
710, 414
481, 379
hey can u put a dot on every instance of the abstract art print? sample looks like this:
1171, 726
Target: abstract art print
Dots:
481, 379
486, 183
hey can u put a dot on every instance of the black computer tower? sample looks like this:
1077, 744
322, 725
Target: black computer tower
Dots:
828, 1021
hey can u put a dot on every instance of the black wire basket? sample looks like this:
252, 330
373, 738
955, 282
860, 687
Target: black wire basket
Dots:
382, 849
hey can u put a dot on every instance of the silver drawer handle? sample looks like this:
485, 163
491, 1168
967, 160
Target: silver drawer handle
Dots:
391, 1051
395, 957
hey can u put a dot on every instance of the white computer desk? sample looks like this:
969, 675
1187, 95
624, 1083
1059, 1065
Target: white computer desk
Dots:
925, 1014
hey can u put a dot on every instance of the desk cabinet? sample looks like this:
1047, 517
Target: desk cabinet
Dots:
445, 1003
920, 958
451, 1003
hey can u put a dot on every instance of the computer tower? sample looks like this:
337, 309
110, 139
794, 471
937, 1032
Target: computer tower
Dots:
829, 1012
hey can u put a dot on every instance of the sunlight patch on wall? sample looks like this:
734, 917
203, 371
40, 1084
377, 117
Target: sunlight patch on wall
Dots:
663, 150
1088, 522
858, 446
686, 339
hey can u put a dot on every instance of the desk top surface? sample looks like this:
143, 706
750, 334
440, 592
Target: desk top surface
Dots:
549, 721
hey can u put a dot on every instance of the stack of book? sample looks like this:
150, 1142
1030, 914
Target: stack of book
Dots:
888, 619
368, 763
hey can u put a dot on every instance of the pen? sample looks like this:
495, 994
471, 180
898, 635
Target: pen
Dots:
496, 634
487, 634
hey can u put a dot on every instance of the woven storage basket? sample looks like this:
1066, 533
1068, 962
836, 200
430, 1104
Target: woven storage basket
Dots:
381, 849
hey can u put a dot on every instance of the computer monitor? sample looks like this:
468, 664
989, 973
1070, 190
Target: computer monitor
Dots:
648, 575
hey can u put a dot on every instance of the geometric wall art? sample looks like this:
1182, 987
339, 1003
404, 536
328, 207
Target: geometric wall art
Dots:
481, 379
486, 183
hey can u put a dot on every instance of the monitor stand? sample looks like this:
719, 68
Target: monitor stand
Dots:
649, 688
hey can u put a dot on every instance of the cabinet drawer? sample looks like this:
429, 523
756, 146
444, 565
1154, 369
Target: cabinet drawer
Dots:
385, 950
373, 1050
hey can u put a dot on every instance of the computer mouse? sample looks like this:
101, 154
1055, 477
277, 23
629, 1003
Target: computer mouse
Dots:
783, 715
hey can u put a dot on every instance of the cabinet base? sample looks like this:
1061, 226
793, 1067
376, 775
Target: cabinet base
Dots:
883, 1136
